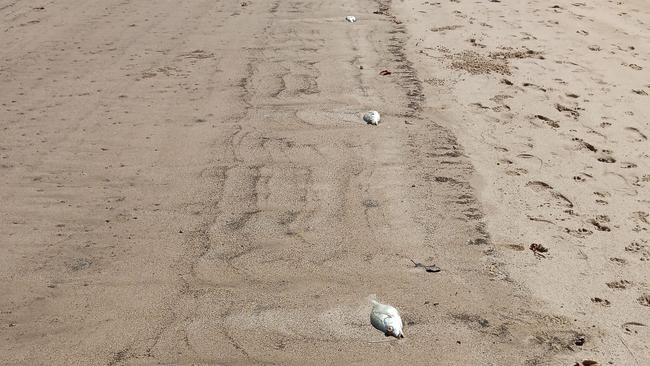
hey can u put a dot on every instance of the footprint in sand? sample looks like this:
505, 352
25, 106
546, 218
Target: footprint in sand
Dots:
635, 135
534, 86
639, 247
600, 301
529, 162
582, 144
641, 217
632, 327
544, 188
579, 233
633, 66
582, 177
602, 195
475, 43
548, 121
599, 223
504, 162
605, 158
517, 172
619, 285
572, 112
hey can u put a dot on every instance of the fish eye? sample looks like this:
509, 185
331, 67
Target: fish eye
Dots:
390, 328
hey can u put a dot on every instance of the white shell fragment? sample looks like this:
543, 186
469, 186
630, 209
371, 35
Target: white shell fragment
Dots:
351, 18
372, 118
386, 319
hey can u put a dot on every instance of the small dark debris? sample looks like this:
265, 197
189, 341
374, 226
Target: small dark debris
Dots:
428, 268
384, 72
580, 340
538, 249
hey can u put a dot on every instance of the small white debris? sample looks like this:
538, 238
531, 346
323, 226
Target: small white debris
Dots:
386, 319
351, 18
372, 117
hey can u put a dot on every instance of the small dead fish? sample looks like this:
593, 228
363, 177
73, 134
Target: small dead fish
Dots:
372, 118
386, 319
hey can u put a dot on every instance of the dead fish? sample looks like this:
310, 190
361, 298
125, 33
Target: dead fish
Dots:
351, 18
386, 319
372, 118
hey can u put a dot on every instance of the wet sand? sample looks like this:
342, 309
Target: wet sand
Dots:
193, 184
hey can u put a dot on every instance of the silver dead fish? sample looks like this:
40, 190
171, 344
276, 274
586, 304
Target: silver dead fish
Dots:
386, 319
372, 118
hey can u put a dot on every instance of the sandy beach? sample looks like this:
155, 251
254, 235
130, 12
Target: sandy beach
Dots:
192, 182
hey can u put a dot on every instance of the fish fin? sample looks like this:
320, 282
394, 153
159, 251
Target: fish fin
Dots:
373, 299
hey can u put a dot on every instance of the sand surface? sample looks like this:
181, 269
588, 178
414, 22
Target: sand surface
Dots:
191, 182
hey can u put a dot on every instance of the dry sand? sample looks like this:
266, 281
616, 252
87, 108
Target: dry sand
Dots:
191, 182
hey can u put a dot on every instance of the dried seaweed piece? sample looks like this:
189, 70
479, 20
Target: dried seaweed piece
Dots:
428, 268
538, 249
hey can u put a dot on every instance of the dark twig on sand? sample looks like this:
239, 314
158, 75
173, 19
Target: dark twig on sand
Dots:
430, 268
